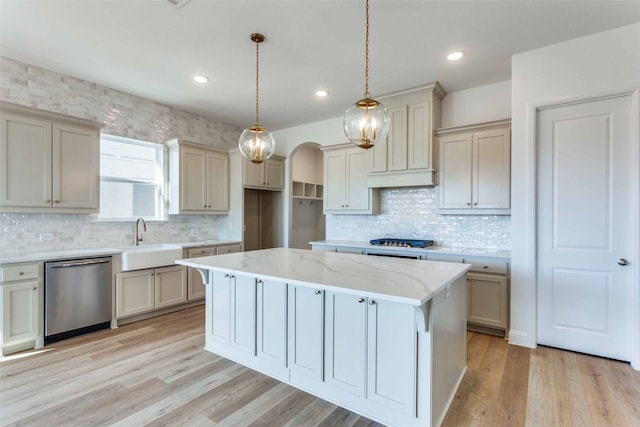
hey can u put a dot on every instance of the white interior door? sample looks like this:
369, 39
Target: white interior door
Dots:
584, 225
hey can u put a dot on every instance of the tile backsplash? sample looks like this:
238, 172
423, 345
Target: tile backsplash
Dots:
410, 213
124, 115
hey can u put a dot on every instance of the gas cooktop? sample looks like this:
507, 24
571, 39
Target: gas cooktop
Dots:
405, 243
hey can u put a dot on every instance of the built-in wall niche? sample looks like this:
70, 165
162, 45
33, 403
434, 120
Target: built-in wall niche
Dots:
307, 219
306, 190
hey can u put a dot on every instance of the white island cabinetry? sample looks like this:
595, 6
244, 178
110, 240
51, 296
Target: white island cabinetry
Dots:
374, 335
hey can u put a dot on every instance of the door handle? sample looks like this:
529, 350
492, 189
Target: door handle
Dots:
623, 262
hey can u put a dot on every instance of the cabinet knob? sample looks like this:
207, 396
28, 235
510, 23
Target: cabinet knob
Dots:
56, 201
342, 206
360, 300
48, 201
21, 273
485, 267
318, 292
469, 204
35, 288
372, 302
475, 204
259, 282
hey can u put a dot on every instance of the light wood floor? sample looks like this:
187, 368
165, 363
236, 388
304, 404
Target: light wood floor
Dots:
156, 373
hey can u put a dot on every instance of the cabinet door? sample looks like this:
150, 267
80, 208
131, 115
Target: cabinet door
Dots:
335, 180
220, 307
487, 302
492, 169
306, 311
378, 155
272, 321
358, 193
455, 172
346, 342
76, 170
170, 286
20, 312
253, 174
397, 140
193, 179
25, 162
274, 174
217, 182
392, 355
419, 138
135, 292
243, 314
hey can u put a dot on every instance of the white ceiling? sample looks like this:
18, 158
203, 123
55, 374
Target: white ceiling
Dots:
152, 49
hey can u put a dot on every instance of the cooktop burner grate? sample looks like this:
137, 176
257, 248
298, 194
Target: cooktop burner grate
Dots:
407, 243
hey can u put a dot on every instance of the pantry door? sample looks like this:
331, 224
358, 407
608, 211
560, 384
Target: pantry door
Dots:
584, 226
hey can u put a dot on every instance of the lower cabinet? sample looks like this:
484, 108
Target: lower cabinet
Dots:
330, 342
306, 313
20, 307
271, 327
346, 342
487, 297
142, 291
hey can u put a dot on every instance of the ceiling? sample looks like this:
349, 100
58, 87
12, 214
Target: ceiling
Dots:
152, 49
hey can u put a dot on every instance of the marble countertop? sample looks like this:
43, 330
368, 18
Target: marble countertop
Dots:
432, 249
403, 280
92, 252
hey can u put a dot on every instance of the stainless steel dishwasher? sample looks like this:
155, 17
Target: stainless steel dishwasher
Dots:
77, 295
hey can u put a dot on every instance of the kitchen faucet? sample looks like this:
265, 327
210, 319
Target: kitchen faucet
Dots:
138, 237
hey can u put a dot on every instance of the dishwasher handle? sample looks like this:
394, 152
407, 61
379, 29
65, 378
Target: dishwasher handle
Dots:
81, 263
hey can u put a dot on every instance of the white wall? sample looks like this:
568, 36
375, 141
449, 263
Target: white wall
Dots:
479, 104
603, 63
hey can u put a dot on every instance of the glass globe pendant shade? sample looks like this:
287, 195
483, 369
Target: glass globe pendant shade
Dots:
366, 122
256, 144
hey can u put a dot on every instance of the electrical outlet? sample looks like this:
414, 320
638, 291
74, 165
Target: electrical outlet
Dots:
46, 237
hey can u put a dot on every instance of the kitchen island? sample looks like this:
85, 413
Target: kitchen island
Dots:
383, 337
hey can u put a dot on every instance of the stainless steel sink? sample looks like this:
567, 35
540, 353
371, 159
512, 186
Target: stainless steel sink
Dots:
149, 256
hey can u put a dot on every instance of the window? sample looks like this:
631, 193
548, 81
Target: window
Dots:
131, 179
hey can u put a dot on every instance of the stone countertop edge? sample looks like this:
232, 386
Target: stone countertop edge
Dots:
444, 250
407, 281
96, 252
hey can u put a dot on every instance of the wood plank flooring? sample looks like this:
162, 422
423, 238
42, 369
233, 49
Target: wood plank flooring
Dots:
155, 372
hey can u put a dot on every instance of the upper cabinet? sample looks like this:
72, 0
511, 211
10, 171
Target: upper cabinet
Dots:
199, 178
49, 162
345, 181
475, 169
408, 156
268, 175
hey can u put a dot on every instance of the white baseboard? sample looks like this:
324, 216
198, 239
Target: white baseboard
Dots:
521, 338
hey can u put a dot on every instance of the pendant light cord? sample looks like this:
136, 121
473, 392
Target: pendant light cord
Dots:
366, 61
257, 73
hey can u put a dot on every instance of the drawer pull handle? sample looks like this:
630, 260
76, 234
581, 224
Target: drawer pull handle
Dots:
485, 267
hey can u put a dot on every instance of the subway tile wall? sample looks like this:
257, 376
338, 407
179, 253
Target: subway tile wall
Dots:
124, 115
410, 213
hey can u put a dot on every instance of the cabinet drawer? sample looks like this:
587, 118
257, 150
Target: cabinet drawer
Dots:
228, 249
198, 252
445, 258
19, 272
495, 267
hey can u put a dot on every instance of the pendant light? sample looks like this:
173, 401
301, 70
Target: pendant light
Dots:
367, 121
256, 143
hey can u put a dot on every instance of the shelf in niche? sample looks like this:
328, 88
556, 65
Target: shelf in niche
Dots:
307, 190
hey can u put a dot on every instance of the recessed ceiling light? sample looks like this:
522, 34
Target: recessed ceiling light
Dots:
201, 79
322, 93
454, 56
